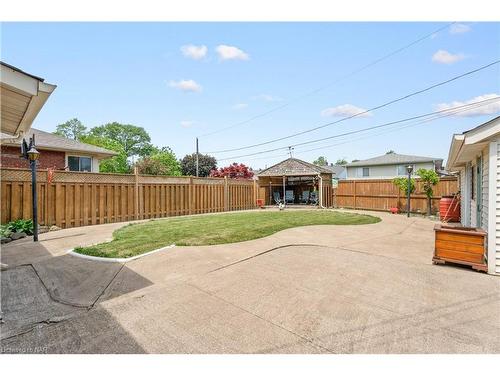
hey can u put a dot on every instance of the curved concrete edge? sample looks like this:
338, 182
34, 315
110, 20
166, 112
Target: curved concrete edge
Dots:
116, 260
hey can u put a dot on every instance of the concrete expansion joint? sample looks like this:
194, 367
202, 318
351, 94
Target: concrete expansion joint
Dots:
406, 227
262, 253
105, 288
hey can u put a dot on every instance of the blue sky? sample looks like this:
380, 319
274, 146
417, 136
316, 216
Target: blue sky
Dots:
139, 73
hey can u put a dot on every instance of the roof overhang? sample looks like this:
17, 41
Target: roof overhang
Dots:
292, 174
22, 97
464, 147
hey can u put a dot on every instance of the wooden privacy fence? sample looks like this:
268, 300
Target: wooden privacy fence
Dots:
382, 194
75, 199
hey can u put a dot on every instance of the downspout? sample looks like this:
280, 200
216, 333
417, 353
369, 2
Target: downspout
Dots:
321, 191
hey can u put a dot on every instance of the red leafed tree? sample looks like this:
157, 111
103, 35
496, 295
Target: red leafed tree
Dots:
235, 170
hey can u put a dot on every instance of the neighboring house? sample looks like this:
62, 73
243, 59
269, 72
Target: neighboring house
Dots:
338, 171
390, 166
475, 154
55, 152
22, 96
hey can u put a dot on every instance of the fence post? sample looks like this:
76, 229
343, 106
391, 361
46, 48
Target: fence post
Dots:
190, 196
136, 193
254, 193
354, 184
226, 194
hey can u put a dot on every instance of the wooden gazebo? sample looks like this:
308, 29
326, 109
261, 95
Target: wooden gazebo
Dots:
295, 181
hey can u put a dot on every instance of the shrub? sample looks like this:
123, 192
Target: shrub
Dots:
21, 225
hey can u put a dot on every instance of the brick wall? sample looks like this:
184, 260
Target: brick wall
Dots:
10, 158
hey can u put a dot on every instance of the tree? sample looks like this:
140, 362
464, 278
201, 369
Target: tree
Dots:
206, 164
321, 161
167, 157
134, 139
402, 184
429, 178
148, 165
341, 162
390, 152
235, 170
72, 129
115, 164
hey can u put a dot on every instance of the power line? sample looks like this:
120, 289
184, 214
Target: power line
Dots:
395, 129
312, 92
453, 111
362, 112
368, 128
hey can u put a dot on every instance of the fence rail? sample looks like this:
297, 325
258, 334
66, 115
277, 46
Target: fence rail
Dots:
382, 194
75, 199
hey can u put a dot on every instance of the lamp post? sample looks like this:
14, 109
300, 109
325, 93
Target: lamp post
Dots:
409, 169
33, 155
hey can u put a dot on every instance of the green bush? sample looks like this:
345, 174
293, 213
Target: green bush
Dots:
402, 184
21, 225
4, 231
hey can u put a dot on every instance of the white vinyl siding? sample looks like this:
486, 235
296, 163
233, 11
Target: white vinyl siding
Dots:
463, 196
384, 171
485, 187
497, 207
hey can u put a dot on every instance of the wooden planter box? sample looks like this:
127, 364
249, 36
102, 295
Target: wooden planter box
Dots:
461, 245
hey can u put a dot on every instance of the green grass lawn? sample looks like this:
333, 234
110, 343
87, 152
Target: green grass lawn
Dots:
139, 238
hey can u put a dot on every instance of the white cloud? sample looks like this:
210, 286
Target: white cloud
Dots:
231, 53
268, 98
186, 85
345, 110
444, 57
240, 106
187, 123
194, 52
459, 28
487, 109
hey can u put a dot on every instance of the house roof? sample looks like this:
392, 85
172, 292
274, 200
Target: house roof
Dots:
335, 169
293, 167
466, 145
49, 141
22, 97
392, 159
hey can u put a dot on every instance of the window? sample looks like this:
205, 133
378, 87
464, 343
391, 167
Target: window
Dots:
402, 169
80, 163
366, 172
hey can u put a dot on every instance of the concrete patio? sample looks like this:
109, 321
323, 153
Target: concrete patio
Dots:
316, 289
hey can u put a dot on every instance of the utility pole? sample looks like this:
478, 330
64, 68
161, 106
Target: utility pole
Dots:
197, 159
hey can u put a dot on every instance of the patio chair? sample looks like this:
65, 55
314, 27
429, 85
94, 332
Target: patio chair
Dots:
289, 197
314, 197
277, 198
305, 197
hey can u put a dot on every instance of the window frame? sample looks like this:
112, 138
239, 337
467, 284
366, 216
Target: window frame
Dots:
80, 157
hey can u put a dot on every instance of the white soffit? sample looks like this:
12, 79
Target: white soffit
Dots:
22, 97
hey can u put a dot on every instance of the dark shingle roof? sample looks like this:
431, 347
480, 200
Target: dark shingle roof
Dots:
45, 140
392, 159
293, 167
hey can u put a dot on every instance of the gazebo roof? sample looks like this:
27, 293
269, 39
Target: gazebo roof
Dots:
293, 167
